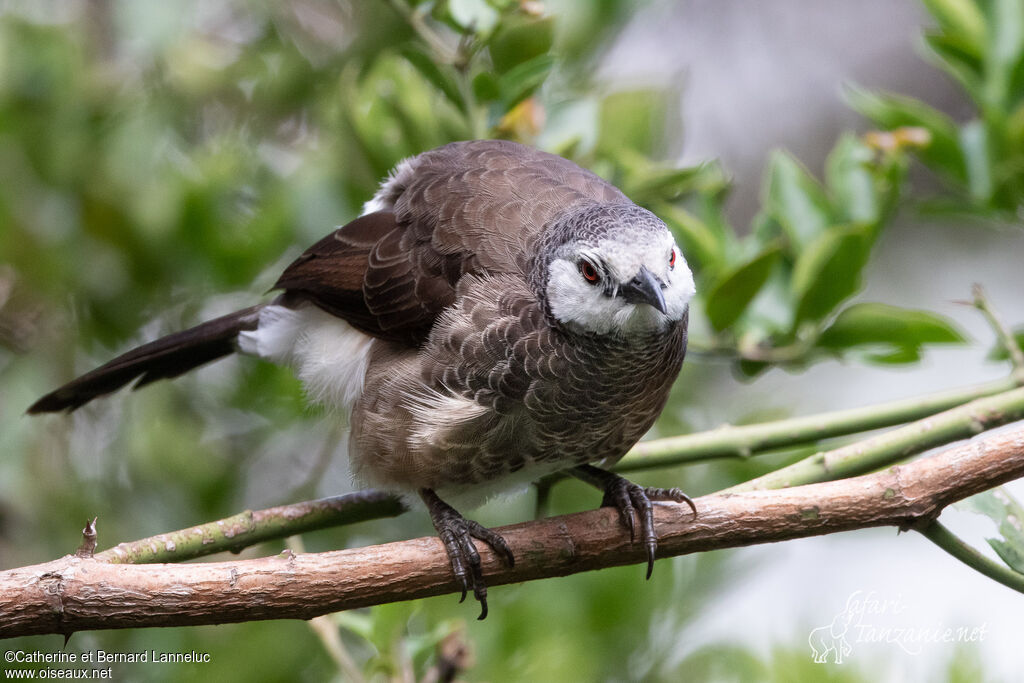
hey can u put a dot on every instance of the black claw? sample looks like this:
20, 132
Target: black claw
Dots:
673, 494
457, 534
495, 541
629, 498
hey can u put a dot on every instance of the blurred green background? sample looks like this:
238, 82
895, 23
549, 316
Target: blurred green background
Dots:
161, 162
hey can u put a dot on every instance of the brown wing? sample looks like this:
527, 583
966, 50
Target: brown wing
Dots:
372, 274
466, 208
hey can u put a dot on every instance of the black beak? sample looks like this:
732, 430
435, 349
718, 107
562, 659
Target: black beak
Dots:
645, 288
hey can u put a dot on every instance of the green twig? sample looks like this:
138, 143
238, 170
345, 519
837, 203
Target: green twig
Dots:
443, 52
948, 541
460, 57
249, 528
775, 354
1002, 330
885, 449
742, 442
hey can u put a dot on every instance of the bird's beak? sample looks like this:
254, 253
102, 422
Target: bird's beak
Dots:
645, 288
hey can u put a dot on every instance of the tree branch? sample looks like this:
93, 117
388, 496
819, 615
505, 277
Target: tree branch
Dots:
878, 451
747, 440
73, 594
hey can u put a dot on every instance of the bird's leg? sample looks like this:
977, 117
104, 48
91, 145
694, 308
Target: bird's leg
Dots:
457, 534
627, 498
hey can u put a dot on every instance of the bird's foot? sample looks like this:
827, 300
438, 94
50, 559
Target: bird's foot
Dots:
457, 534
629, 499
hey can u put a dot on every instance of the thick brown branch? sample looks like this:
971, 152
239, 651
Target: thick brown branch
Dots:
73, 594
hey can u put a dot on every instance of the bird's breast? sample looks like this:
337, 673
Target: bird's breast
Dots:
607, 397
502, 396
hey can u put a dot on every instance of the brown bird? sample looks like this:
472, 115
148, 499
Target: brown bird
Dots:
496, 314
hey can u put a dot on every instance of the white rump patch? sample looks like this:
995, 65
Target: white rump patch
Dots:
327, 354
275, 335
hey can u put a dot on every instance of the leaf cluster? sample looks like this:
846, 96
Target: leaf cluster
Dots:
980, 162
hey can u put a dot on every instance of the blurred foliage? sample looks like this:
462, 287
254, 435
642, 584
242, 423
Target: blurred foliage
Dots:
157, 155
775, 296
1003, 509
980, 44
1000, 353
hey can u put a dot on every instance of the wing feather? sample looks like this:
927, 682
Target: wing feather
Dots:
472, 208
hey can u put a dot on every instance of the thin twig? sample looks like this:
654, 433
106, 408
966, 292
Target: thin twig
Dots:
747, 440
878, 451
948, 541
443, 52
249, 528
1002, 330
88, 547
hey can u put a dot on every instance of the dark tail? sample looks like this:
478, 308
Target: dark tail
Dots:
168, 356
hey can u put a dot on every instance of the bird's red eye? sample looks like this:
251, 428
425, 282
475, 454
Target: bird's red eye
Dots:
589, 272
672, 259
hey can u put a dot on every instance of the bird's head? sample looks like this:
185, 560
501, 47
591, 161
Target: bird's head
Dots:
613, 269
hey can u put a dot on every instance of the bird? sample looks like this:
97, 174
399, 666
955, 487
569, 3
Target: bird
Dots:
496, 314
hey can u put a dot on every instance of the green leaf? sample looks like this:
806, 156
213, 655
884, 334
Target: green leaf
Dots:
416, 131
999, 352
703, 248
486, 87
632, 120
769, 318
522, 80
654, 183
474, 16
959, 17
765, 229
752, 368
901, 355
520, 39
795, 200
890, 111
975, 144
828, 270
1006, 22
737, 288
440, 76
959, 59
1003, 509
851, 182
890, 334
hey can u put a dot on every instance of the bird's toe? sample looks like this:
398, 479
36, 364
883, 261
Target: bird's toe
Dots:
457, 534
